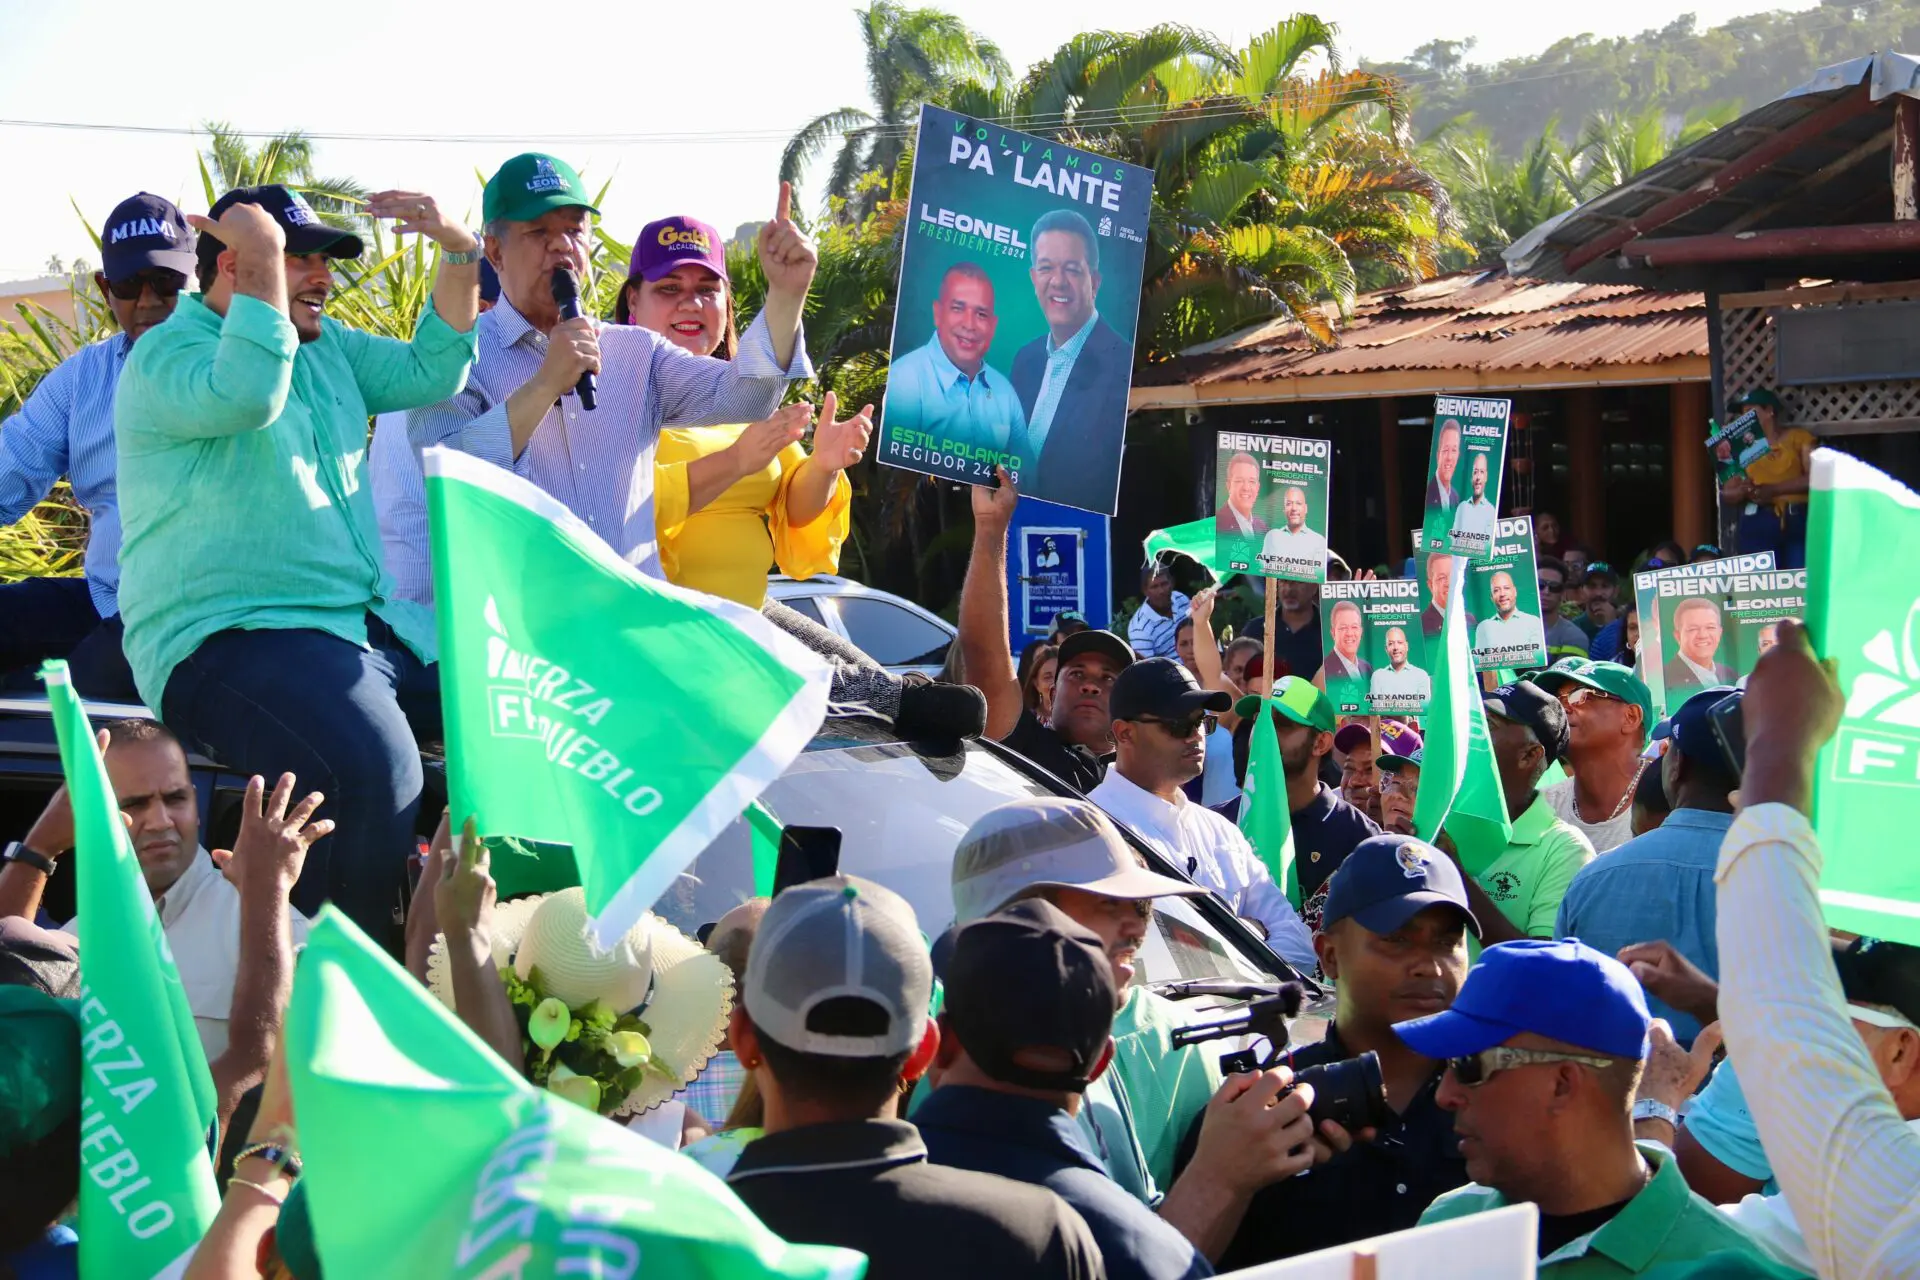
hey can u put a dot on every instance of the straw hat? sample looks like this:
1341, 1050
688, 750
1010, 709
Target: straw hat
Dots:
682, 991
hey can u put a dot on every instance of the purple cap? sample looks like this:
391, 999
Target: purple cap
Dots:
1395, 739
674, 242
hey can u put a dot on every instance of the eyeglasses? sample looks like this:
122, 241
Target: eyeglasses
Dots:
165, 285
1885, 1019
1184, 728
1476, 1069
1549, 587
1581, 696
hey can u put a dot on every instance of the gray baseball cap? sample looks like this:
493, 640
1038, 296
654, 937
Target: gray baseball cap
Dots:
831, 939
1048, 843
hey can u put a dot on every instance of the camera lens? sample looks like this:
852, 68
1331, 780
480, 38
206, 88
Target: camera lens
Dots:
1351, 1093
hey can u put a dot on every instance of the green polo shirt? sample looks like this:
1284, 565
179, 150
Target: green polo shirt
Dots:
1532, 873
1665, 1223
1165, 1087
243, 478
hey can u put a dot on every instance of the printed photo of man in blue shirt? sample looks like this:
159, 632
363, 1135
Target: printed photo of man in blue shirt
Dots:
947, 388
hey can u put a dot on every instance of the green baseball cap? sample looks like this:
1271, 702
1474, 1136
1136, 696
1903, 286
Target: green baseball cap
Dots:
529, 185
39, 1065
1607, 677
1296, 699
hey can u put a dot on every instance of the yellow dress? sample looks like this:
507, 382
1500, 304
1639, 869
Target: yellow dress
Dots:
725, 548
1790, 458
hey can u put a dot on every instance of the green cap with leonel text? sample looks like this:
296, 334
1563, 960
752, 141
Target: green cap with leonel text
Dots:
529, 185
1299, 700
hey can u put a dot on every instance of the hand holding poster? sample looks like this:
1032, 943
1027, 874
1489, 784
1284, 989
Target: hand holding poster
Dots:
1463, 485
1706, 624
1737, 444
1271, 505
1376, 659
1051, 240
1504, 592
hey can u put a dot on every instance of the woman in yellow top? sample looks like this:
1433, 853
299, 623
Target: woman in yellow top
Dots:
730, 502
1775, 487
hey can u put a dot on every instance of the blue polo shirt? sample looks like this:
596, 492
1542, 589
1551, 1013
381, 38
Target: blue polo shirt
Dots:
928, 392
1037, 1142
1656, 887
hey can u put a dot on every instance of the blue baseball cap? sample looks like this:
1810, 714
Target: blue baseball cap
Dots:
145, 231
1389, 879
306, 232
1691, 727
1565, 991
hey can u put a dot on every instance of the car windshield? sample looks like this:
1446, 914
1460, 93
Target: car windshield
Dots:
901, 811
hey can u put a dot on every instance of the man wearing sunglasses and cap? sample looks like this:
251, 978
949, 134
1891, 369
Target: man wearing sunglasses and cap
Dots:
1609, 713
1161, 721
65, 428
1544, 1049
261, 622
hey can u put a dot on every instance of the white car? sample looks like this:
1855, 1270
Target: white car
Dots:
897, 633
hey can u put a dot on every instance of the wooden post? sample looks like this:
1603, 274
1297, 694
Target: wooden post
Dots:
1272, 594
1373, 727
1906, 159
1390, 480
1586, 466
1687, 462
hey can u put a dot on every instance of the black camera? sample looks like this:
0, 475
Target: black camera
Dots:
1351, 1093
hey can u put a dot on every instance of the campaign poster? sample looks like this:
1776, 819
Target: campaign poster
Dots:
1019, 294
1707, 624
1463, 475
1052, 577
1736, 445
1503, 593
1376, 658
1270, 505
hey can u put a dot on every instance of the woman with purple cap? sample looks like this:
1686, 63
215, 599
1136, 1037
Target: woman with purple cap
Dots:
732, 501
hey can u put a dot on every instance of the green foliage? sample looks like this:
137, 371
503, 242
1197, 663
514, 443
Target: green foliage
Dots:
50, 540
285, 159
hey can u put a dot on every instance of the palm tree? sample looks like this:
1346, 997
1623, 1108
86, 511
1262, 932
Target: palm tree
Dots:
1613, 148
911, 54
285, 159
1499, 200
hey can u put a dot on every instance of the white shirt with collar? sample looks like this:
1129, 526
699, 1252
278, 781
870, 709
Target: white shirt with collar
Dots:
1211, 850
200, 914
1707, 676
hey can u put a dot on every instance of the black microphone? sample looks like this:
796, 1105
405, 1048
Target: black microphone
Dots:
566, 294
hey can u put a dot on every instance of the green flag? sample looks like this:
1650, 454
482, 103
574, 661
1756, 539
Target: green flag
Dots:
1265, 818
1195, 539
589, 705
426, 1155
146, 1099
1864, 612
763, 833
1459, 782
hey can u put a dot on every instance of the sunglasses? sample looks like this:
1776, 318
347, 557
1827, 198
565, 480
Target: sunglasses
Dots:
1550, 587
1582, 696
1476, 1069
165, 285
1185, 728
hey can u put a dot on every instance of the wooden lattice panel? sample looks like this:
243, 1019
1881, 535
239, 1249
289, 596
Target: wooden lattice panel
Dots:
1831, 408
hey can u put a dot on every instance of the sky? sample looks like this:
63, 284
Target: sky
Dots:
685, 107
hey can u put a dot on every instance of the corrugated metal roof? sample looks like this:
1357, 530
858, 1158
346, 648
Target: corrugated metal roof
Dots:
1472, 320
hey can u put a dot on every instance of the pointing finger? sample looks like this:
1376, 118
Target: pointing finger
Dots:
254, 802
205, 226
783, 210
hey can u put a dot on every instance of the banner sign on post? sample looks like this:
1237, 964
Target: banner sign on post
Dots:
1376, 658
1463, 475
1504, 593
1270, 505
1706, 624
1019, 292
1052, 577
1863, 608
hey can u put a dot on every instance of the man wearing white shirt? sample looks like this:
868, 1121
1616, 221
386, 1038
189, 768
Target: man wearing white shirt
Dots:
232, 942
1160, 716
1400, 682
1295, 547
1474, 520
1510, 629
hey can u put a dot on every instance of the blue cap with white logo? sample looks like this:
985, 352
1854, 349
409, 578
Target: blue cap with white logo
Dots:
144, 232
1389, 879
1565, 991
1691, 727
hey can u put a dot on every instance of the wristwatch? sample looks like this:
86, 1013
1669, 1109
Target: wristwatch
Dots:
1654, 1109
451, 259
18, 852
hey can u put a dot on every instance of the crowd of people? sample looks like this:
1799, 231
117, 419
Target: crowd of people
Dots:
1542, 1025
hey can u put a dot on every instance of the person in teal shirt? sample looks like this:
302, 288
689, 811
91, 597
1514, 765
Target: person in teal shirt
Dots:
258, 622
946, 388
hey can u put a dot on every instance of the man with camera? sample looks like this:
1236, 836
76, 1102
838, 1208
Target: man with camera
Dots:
1394, 943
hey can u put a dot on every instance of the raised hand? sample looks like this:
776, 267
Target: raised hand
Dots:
838, 445
1670, 977
417, 214
273, 841
463, 893
1200, 608
247, 229
761, 442
993, 508
787, 256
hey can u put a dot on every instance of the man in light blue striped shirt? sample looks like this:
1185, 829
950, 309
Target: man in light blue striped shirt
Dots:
519, 410
65, 428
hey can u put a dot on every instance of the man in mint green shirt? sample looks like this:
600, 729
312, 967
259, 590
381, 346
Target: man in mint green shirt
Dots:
258, 622
1544, 1048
